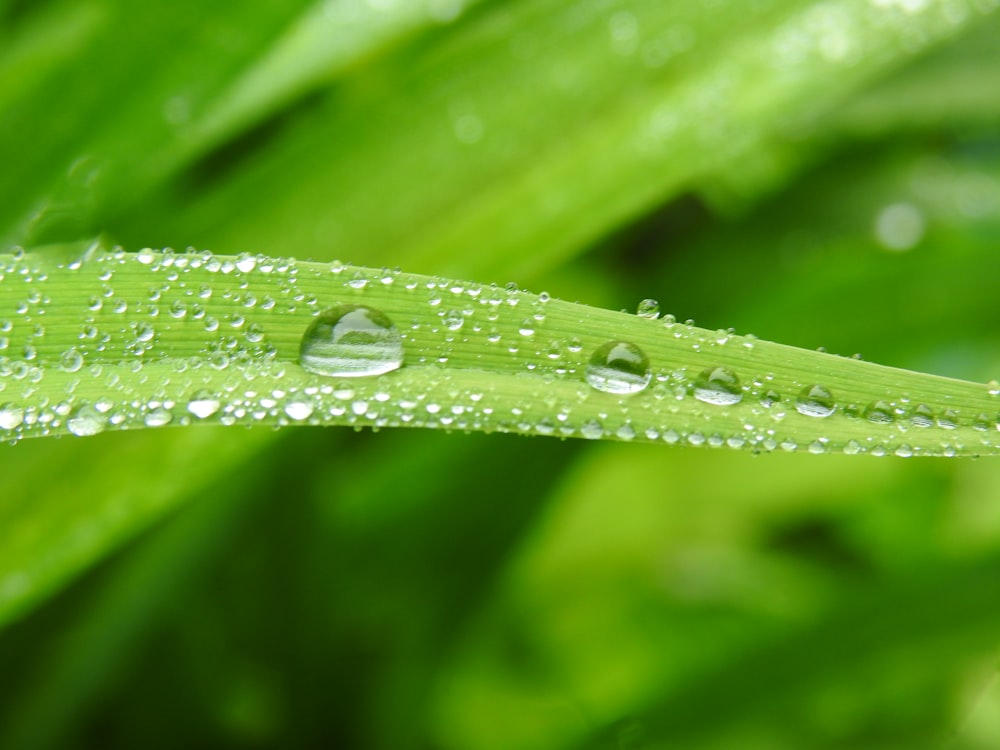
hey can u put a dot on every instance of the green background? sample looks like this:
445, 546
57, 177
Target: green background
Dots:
819, 174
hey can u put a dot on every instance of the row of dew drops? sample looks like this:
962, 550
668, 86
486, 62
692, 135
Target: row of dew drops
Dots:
350, 340
355, 340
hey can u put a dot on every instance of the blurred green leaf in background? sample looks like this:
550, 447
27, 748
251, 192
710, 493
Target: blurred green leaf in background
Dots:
816, 173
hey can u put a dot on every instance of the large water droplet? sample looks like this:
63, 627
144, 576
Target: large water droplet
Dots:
618, 367
815, 401
351, 341
718, 386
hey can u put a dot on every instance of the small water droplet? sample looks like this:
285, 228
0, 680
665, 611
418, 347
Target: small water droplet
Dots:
592, 429
11, 417
770, 398
158, 417
71, 361
948, 420
880, 412
85, 421
618, 367
718, 386
203, 404
298, 410
648, 308
351, 341
815, 401
922, 416
453, 320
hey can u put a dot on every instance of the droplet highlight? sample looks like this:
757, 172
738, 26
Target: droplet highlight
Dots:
351, 341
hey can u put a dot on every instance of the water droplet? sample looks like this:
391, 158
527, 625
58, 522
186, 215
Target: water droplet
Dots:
71, 361
648, 308
718, 386
948, 420
922, 416
11, 417
880, 412
592, 429
453, 320
203, 404
85, 421
158, 417
298, 410
770, 398
351, 341
618, 367
815, 401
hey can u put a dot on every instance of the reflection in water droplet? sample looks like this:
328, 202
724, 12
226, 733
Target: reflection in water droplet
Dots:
718, 386
618, 367
351, 341
815, 401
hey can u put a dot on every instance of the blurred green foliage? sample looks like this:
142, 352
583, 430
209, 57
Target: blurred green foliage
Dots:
816, 173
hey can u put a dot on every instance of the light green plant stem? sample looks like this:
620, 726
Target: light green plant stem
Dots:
117, 340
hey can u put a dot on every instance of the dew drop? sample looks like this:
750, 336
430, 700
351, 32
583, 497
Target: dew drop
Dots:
618, 367
648, 308
85, 421
770, 398
71, 361
203, 404
11, 417
592, 429
815, 401
351, 341
880, 412
948, 420
298, 410
453, 320
718, 386
158, 417
922, 416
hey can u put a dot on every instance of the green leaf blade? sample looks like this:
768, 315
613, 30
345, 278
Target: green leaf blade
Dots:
124, 341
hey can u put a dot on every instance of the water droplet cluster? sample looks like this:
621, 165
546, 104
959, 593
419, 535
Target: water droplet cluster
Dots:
116, 340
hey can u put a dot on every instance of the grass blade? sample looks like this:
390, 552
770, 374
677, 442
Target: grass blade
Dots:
120, 341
